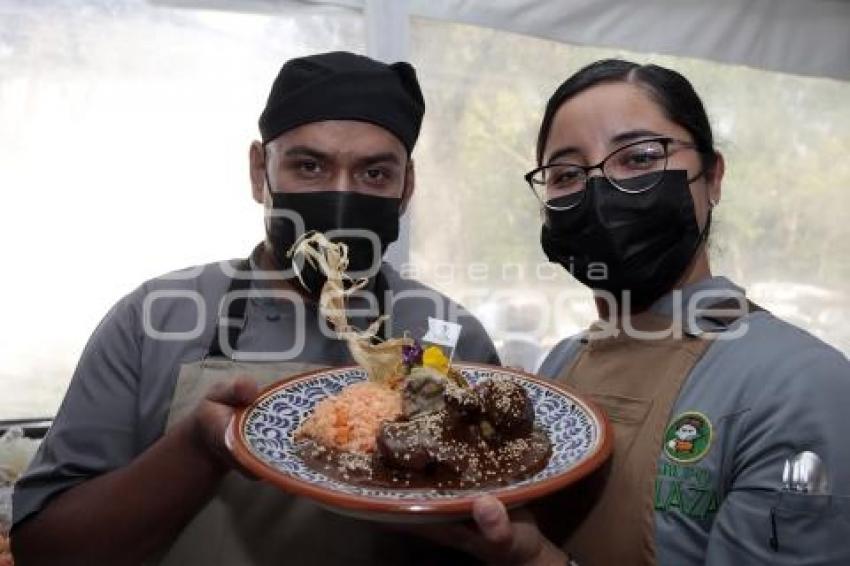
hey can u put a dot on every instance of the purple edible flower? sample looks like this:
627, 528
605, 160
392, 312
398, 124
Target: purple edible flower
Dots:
411, 355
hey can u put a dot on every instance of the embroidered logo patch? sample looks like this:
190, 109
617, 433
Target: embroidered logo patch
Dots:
688, 437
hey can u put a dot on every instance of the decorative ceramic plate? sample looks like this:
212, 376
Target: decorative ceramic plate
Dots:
261, 439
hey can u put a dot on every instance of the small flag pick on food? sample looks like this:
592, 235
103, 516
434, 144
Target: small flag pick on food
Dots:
442, 332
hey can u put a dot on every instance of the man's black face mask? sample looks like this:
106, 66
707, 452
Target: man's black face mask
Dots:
366, 224
644, 240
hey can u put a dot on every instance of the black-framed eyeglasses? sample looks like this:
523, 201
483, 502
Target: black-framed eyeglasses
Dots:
634, 168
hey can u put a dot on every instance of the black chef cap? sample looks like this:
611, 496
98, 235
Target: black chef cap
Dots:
344, 86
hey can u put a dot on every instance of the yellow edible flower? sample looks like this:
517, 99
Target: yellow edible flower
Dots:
433, 357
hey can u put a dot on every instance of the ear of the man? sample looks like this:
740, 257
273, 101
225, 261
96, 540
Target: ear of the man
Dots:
257, 171
409, 186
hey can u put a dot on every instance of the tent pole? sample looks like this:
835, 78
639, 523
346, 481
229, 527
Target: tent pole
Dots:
387, 29
388, 40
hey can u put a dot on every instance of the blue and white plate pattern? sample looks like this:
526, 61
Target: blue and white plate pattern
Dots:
268, 429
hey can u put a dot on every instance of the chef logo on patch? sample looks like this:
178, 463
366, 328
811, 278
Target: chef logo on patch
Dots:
688, 437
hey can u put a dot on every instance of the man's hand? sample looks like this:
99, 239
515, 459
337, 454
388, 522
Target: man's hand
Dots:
209, 420
497, 537
138, 509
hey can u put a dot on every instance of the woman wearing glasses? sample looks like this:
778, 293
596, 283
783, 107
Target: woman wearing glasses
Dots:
729, 440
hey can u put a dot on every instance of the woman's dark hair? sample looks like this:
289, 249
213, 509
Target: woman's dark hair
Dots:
673, 93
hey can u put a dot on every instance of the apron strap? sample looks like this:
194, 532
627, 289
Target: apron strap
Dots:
234, 321
381, 287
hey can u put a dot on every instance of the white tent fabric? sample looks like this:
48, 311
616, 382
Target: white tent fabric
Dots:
807, 37
810, 37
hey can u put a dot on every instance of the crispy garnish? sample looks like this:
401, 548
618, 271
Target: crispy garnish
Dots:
382, 361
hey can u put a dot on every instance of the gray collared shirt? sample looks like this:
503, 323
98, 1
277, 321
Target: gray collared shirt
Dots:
768, 394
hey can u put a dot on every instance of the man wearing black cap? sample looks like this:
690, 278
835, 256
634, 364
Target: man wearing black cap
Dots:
134, 467
338, 131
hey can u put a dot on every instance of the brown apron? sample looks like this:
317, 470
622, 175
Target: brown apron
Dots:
212, 537
636, 382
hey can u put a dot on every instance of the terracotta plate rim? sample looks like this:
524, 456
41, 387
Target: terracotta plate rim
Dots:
456, 506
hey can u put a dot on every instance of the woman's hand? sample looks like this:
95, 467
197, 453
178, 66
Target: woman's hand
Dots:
497, 537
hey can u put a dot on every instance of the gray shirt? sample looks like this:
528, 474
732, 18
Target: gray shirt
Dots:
119, 397
768, 395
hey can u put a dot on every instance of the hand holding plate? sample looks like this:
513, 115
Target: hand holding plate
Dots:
210, 419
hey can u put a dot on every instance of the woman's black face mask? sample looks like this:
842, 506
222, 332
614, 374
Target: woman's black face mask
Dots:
619, 242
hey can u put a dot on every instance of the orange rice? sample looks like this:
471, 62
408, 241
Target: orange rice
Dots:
349, 421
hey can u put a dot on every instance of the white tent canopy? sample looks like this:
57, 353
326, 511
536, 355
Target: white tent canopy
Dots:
807, 37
